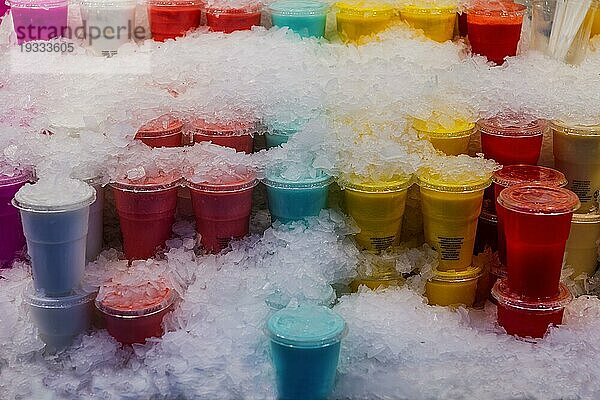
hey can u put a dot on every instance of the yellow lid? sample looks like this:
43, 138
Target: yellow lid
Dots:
575, 129
459, 128
468, 274
425, 9
467, 183
592, 217
364, 8
396, 184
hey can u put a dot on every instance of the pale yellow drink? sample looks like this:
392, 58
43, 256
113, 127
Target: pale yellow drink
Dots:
357, 21
581, 252
453, 288
437, 23
577, 155
451, 139
450, 214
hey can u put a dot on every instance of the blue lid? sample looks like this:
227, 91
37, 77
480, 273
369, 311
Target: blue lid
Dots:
296, 176
307, 326
298, 7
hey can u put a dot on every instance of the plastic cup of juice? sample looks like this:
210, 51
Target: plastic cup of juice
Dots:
487, 232
536, 221
228, 20
582, 245
305, 349
114, 18
378, 209
437, 23
146, 214
95, 234
577, 155
358, 21
59, 320
452, 140
12, 240
39, 19
164, 131
305, 17
222, 209
450, 214
56, 226
495, 29
512, 140
453, 288
525, 317
170, 19
238, 135
133, 315
293, 197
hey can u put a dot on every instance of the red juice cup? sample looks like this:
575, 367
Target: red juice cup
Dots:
146, 214
164, 131
238, 135
536, 221
525, 317
12, 240
222, 209
134, 314
511, 140
229, 20
170, 19
495, 29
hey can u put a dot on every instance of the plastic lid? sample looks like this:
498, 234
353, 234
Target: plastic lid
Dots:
502, 293
515, 174
38, 299
278, 300
140, 301
156, 184
108, 3
298, 7
162, 126
307, 326
235, 184
588, 218
574, 129
513, 126
538, 199
38, 3
459, 128
247, 9
54, 196
365, 9
396, 184
17, 176
469, 274
231, 128
276, 177
497, 8
431, 181
428, 9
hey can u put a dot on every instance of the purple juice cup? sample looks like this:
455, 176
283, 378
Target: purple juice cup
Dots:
12, 240
39, 19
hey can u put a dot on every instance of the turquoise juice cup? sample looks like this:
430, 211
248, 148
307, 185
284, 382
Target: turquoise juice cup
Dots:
305, 17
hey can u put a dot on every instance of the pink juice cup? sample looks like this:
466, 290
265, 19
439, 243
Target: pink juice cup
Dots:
146, 214
222, 209
12, 240
165, 131
238, 135
39, 19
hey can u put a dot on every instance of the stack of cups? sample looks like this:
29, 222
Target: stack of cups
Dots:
535, 221
450, 214
238, 135
56, 226
165, 131
452, 139
12, 241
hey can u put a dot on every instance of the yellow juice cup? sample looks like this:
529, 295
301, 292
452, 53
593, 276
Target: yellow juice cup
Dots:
357, 21
581, 252
437, 23
453, 288
378, 209
452, 139
450, 214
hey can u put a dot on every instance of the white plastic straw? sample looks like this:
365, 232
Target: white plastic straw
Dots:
568, 18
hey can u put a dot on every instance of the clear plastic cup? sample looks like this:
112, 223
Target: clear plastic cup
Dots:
228, 20
56, 232
561, 28
297, 198
495, 29
450, 214
39, 19
437, 23
238, 135
305, 348
581, 252
525, 317
112, 22
305, 17
135, 318
95, 236
577, 155
450, 139
536, 221
222, 209
358, 21
146, 214
165, 131
12, 240
59, 320
453, 288
512, 140
170, 19
378, 209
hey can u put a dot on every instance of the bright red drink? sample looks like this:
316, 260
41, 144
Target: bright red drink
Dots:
161, 132
173, 18
238, 135
233, 19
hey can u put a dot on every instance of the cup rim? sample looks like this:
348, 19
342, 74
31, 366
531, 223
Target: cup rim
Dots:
592, 217
518, 10
23, 176
39, 299
436, 10
509, 199
38, 4
127, 186
294, 7
502, 293
492, 127
164, 304
364, 10
22, 206
472, 272
147, 130
548, 176
200, 127
574, 129
395, 185
212, 187
470, 187
468, 130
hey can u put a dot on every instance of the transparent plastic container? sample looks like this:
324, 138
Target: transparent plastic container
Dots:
170, 19
115, 20
46, 18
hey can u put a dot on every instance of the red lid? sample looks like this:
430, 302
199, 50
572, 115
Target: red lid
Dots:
538, 199
515, 174
229, 128
502, 293
11, 176
161, 126
134, 301
147, 184
248, 9
225, 183
513, 126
